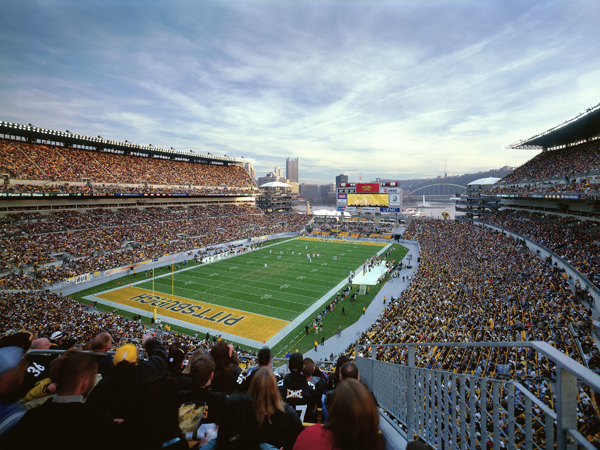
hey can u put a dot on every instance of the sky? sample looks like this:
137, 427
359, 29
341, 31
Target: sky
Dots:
390, 89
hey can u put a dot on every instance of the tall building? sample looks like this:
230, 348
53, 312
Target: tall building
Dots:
309, 190
325, 189
250, 169
278, 171
341, 179
291, 169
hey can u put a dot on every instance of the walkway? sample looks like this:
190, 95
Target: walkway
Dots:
338, 345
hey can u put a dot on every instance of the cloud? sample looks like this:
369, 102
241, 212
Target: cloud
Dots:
389, 89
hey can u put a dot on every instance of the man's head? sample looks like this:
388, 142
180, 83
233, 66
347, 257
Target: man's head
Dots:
102, 342
296, 363
40, 344
202, 370
12, 369
309, 368
176, 358
264, 357
76, 374
349, 370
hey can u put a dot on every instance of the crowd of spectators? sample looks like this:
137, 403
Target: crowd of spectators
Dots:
476, 285
102, 239
567, 162
358, 227
579, 185
574, 240
141, 377
107, 190
57, 165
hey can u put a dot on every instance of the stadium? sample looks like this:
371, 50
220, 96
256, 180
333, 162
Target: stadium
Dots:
488, 337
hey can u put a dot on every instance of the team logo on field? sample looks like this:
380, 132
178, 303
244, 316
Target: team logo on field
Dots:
255, 327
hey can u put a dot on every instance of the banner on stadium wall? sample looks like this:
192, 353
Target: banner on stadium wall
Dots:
83, 278
123, 269
387, 190
367, 209
342, 199
390, 210
556, 196
589, 196
367, 188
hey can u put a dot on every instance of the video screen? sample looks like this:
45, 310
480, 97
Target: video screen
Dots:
368, 200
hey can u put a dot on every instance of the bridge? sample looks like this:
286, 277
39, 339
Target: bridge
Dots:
437, 191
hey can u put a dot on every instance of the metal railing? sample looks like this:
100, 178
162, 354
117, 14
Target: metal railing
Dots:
455, 410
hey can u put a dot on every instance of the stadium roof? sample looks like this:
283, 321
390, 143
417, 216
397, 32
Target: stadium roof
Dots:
484, 181
33, 134
578, 129
274, 184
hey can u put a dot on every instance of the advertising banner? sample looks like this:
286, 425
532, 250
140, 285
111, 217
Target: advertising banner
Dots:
83, 278
388, 190
367, 188
390, 210
395, 200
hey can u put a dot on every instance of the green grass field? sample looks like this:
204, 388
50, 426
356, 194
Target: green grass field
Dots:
271, 303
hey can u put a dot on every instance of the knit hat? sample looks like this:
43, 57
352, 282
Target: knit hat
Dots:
176, 357
10, 358
126, 353
296, 362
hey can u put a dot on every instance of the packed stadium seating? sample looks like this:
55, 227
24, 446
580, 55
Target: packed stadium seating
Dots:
566, 162
97, 239
573, 239
60, 165
475, 285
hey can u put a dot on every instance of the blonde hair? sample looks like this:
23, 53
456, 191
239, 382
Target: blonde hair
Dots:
265, 394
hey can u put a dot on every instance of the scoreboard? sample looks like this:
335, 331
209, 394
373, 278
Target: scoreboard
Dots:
369, 197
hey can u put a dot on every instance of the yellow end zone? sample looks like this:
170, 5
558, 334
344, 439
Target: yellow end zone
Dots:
240, 323
341, 241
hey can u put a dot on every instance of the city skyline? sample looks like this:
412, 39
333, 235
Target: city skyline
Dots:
380, 89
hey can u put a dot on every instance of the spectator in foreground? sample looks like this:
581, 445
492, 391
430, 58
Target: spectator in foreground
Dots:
66, 423
278, 422
239, 427
298, 392
202, 371
101, 344
264, 360
120, 393
12, 371
353, 422
226, 371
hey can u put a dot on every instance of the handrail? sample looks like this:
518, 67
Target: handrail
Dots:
421, 387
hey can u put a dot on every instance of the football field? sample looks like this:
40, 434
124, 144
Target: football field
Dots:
255, 297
